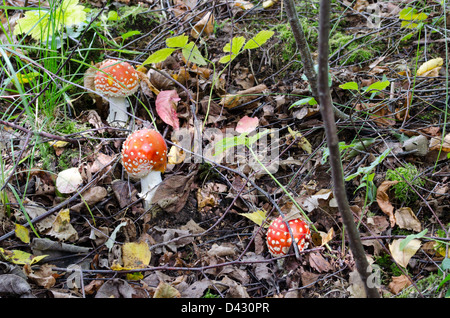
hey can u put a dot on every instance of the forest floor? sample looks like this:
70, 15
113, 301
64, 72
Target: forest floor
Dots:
205, 236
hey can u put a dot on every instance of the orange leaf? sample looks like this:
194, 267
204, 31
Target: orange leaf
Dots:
383, 200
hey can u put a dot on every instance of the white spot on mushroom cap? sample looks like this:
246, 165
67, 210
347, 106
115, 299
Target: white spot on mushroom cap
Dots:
108, 83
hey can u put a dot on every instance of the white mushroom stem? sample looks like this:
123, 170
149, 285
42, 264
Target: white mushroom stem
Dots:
149, 184
118, 115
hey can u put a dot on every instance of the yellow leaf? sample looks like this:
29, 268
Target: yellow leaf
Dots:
136, 255
62, 220
58, 144
176, 155
402, 257
26, 78
135, 276
22, 233
19, 257
431, 65
258, 217
302, 141
244, 5
267, 4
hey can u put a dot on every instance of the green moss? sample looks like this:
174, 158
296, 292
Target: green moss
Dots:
287, 45
388, 267
357, 51
403, 191
65, 159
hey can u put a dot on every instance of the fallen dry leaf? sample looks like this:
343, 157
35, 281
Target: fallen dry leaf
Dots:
205, 26
437, 143
61, 227
136, 255
383, 200
321, 238
302, 141
406, 219
165, 290
124, 192
69, 180
242, 97
90, 197
173, 192
377, 224
115, 288
42, 277
318, 262
379, 113
208, 195
399, 283
221, 250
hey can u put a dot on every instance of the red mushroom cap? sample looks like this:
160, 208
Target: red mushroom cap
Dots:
279, 239
143, 151
117, 79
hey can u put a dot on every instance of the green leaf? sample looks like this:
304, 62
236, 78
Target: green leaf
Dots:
409, 13
193, 54
36, 22
223, 144
445, 264
112, 16
229, 142
252, 139
71, 12
227, 58
258, 40
159, 56
410, 16
411, 237
377, 86
350, 85
177, 41
367, 170
307, 100
130, 34
235, 45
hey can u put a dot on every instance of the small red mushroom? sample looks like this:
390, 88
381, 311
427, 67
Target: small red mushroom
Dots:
279, 239
144, 157
116, 80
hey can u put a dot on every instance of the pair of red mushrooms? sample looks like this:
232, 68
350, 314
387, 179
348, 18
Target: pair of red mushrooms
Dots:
144, 152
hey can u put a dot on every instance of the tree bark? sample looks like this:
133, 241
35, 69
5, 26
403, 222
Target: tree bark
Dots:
326, 108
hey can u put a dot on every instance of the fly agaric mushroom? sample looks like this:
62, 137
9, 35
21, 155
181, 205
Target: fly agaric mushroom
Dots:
279, 239
116, 80
144, 157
